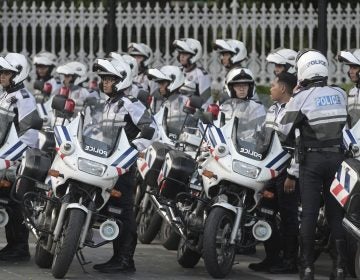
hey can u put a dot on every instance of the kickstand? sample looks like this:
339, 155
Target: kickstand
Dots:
82, 261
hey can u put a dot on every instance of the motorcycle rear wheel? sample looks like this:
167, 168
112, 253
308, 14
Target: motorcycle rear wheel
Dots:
67, 246
187, 257
149, 224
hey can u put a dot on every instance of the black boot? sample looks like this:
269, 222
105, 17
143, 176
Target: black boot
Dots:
110, 262
122, 264
289, 262
272, 251
16, 253
114, 258
307, 259
339, 260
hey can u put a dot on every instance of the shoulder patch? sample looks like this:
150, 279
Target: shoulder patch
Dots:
131, 98
336, 86
24, 93
203, 70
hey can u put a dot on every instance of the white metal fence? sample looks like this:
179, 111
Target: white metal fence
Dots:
77, 33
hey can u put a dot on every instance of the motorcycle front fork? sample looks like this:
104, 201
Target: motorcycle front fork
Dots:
235, 231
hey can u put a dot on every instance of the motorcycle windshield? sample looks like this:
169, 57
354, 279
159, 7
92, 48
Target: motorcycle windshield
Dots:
6, 119
176, 117
246, 135
100, 134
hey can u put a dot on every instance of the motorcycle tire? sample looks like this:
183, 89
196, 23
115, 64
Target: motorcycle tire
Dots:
187, 257
43, 258
148, 228
220, 222
352, 249
67, 246
357, 262
170, 237
138, 194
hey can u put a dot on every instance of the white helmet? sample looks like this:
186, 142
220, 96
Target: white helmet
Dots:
117, 68
45, 58
191, 46
350, 57
311, 65
236, 48
77, 69
143, 50
129, 60
239, 75
17, 63
284, 57
170, 73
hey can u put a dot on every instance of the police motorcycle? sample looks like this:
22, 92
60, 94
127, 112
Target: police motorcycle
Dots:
11, 151
90, 158
149, 165
346, 189
233, 177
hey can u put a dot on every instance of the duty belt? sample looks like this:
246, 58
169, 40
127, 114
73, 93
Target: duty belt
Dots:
334, 149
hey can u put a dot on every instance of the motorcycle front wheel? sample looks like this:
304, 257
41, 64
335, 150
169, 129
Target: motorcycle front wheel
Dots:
67, 246
218, 253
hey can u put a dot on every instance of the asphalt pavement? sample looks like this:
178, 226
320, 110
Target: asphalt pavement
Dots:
152, 262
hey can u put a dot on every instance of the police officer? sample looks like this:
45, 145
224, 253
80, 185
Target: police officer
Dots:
283, 60
137, 90
126, 111
170, 79
14, 69
144, 57
197, 80
352, 59
318, 112
285, 200
74, 76
45, 63
240, 87
232, 53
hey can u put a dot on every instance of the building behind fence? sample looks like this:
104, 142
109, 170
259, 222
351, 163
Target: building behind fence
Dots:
78, 33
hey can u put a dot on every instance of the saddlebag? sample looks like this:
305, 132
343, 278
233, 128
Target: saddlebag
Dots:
175, 173
348, 189
35, 165
154, 157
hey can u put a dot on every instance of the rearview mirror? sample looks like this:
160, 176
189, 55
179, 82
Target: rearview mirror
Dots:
58, 102
196, 101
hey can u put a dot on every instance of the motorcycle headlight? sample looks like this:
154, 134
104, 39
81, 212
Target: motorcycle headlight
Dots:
246, 169
91, 167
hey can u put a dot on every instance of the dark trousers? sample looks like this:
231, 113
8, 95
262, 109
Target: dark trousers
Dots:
286, 204
316, 175
125, 243
16, 232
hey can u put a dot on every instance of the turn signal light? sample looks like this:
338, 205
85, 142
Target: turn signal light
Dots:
115, 193
55, 173
209, 174
5, 184
267, 194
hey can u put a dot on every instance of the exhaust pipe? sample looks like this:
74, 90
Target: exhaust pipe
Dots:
351, 228
4, 217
